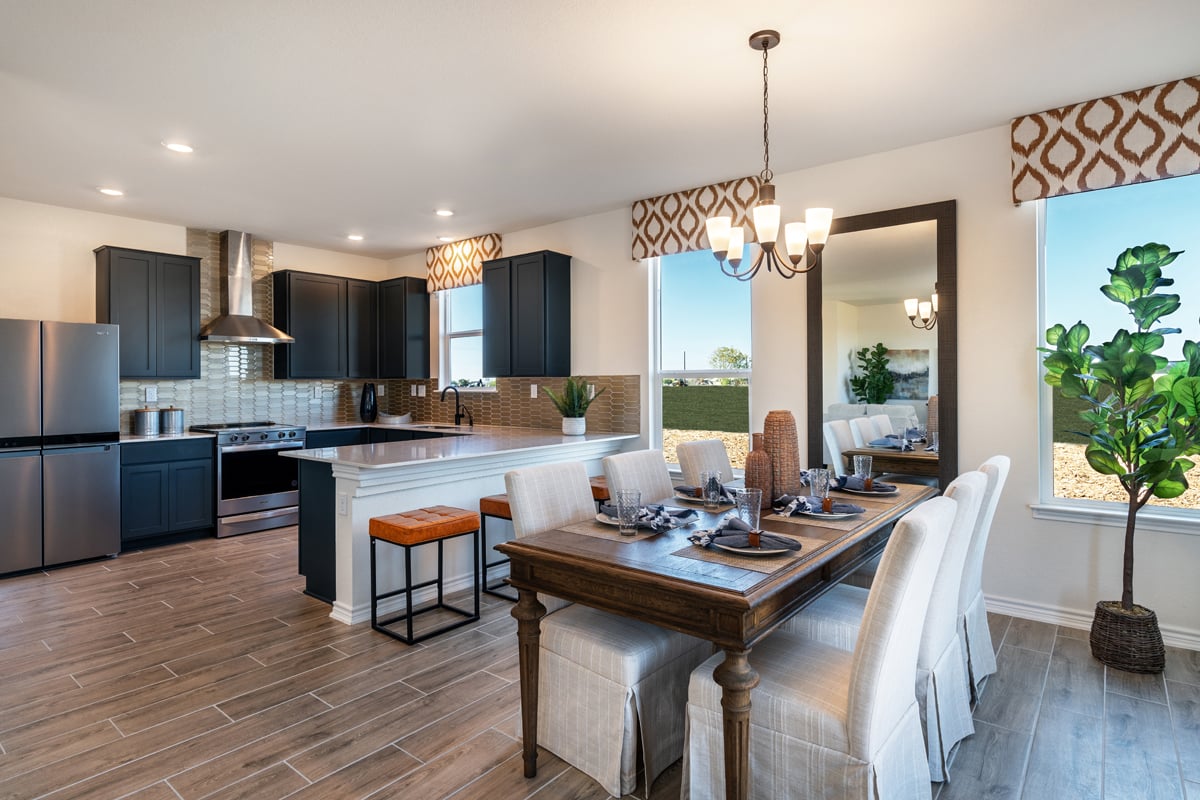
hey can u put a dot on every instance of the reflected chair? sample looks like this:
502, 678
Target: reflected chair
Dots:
942, 691
837, 438
701, 456
825, 721
644, 470
882, 424
605, 682
863, 431
972, 611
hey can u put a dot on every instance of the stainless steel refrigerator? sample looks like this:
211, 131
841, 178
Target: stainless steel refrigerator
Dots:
60, 469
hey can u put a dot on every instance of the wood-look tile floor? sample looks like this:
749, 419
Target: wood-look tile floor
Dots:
201, 670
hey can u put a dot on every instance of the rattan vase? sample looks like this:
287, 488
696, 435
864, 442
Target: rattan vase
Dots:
783, 446
1129, 642
758, 470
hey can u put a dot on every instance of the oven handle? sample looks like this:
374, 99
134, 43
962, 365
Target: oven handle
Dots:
241, 448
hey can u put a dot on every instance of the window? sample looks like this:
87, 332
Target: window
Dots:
1082, 234
701, 366
462, 337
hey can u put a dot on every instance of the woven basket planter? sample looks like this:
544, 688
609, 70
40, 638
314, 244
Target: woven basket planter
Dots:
758, 470
1129, 642
783, 445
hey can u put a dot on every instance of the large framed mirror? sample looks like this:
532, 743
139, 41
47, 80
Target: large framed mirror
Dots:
873, 262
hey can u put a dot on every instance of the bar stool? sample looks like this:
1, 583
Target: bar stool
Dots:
414, 528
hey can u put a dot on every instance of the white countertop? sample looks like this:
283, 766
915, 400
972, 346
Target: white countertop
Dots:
130, 438
482, 440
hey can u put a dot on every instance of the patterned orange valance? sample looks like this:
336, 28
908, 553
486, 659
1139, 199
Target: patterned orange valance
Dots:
1113, 141
460, 263
674, 223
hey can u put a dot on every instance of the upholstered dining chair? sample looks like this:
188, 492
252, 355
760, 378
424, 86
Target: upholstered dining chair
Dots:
700, 456
837, 438
830, 722
862, 430
644, 470
605, 682
882, 424
972, 612
943, 694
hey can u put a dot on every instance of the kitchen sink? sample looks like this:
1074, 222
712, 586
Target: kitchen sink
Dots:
434, 426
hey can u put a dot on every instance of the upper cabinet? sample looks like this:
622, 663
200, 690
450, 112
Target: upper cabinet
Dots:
403, 328
347, 328
155, 299
527, 315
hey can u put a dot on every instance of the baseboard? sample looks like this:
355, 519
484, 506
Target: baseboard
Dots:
1185, 638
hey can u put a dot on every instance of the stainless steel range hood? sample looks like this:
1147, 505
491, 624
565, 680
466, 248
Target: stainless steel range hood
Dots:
237, 323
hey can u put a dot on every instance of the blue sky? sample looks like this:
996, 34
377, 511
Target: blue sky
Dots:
1086, 232
702, 309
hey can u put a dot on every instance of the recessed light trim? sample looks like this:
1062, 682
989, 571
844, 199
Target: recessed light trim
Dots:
178, 147
446, 239
355, 237
444, 212
111, 192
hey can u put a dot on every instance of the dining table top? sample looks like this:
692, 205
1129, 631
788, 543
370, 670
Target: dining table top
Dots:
918, 461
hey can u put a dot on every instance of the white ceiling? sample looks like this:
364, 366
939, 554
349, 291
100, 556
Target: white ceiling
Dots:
312, 120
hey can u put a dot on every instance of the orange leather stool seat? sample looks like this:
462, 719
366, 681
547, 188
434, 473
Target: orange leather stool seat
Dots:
495, 505
416, 528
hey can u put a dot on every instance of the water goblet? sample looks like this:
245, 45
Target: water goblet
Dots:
862, 470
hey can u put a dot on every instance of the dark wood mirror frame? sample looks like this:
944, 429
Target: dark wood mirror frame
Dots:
944, 214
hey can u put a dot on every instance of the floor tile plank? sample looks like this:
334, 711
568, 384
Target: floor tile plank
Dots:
1139, 755
1076, 680
1184, 701
1011, 697
1030, 635
1067, 756
988, 764
1137, 685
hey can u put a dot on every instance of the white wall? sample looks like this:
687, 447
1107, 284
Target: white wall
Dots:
350, 265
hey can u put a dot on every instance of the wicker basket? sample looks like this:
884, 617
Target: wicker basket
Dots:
1129, 642
783, 446
758, 470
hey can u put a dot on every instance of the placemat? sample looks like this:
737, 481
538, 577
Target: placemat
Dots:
764, 564
612, 532
847, 524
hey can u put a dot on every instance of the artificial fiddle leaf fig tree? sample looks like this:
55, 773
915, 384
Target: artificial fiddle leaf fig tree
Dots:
875, 383
1142, 419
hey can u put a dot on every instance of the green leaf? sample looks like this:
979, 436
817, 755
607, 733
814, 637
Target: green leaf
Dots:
1103, 461
1054, 332
1148, 310
1077, 337
1186, 392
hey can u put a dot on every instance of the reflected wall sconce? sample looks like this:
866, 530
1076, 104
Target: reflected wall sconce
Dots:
800, 238
922, 313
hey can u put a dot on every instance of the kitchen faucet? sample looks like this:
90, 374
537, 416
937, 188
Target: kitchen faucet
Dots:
459, 409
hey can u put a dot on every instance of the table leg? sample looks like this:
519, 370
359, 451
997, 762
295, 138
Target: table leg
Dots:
736, 678
528, 612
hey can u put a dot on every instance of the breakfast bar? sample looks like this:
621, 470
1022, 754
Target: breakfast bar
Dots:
351, 484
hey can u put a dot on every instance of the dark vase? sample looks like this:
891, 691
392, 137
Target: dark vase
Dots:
367, 406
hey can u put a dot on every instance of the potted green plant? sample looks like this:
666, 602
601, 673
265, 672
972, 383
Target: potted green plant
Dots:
573, 404
1142, 419
874, 384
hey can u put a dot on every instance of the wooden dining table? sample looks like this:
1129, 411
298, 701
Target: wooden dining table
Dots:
731, 600
917, 461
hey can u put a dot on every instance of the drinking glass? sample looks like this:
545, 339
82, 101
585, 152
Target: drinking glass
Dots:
710, 488
818, 484
749, 506
862, 470
629, 506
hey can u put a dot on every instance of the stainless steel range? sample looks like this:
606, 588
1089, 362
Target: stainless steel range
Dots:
256, 489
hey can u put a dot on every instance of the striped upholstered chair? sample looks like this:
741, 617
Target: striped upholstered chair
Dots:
644, 470
701, 456
825, 721
972, 612
943, 694
604, 681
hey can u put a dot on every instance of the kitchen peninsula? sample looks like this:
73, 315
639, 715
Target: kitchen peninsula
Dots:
341, 488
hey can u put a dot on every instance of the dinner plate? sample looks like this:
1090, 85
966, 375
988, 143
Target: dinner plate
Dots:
823, 515
607, 520
688, 498
752, 551
874, 492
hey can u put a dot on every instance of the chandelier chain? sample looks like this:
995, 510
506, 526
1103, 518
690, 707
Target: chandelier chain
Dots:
766, 175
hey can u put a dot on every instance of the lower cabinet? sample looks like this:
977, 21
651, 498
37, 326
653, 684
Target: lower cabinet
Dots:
166, 487
336, 437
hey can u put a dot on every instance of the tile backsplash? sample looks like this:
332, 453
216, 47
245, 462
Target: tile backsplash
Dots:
235, 383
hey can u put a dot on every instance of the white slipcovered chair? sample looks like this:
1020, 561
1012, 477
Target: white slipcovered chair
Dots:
829, 722
882, 424
644, 470
862, 430
703, 455
604, 681
972, 611
837, 438
943, 693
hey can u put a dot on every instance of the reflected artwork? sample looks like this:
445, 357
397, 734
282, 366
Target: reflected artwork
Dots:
910, 373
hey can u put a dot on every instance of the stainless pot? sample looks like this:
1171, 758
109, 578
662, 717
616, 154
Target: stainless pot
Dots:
170, 421
145, 422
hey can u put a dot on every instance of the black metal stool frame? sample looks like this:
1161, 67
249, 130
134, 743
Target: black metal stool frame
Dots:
410, 587
494, 588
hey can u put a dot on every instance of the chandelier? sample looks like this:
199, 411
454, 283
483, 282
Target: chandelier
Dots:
922, 313
727, 240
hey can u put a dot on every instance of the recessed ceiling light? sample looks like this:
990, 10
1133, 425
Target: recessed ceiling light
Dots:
355, 237
177, 147
444, 212
445, 238
109, 192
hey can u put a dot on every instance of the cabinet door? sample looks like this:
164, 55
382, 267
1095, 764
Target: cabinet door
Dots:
362, 328
497, 322
144, 501
336, 438
379, 435
178, 317
403, 329
133, 296
190, 494
316, 318
528, 316
416, 328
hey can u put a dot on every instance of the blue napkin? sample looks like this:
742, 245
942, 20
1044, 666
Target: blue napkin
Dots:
892, 443
656, 517
734, 532
855, 484
792, 505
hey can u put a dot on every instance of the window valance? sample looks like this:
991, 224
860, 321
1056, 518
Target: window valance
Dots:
460, 263
1126, 138
674, 223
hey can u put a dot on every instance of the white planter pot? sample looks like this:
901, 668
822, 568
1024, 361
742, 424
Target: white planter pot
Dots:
574, 426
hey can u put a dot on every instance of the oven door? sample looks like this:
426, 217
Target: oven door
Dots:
253, 477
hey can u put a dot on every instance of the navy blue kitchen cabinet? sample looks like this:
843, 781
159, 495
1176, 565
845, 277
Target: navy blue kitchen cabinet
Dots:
527, 315
166, 488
